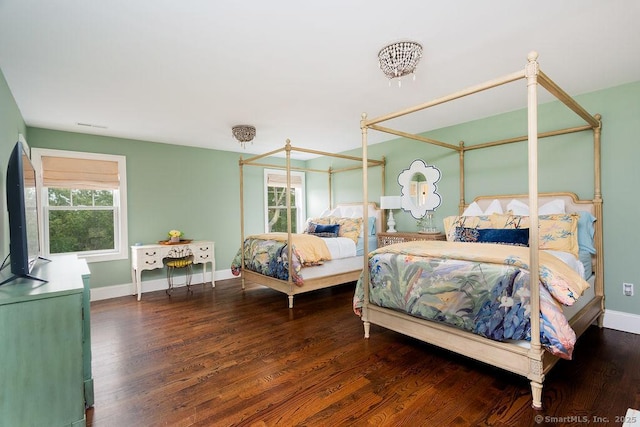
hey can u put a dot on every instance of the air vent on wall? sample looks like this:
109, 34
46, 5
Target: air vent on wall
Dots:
91, 125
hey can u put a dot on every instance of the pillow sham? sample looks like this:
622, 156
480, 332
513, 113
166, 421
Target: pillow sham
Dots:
349, 227
556, 232
372, 226
585, 259
321, 220
324, 230
503, 236
586, 232
474, 209
451, 222
555, 206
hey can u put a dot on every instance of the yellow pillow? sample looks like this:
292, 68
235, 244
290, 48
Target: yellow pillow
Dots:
349, 227
451, 222
558, 232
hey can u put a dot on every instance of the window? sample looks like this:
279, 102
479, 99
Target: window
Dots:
275, 187
83, 204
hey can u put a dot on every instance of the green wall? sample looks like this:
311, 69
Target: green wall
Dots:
566, 164
11, 124
194, 190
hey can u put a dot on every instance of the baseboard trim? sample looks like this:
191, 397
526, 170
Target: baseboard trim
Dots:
116, 291
621, 321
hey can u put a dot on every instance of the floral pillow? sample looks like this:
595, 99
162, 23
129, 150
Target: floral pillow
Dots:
451, 222
557, 232
323, 230
325, 220
349, 227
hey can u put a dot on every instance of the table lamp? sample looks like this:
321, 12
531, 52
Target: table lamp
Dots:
391, 203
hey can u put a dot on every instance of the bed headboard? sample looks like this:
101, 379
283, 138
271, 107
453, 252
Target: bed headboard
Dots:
571, 201
354, 209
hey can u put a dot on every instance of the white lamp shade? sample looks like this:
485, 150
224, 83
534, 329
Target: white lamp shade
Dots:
390, 202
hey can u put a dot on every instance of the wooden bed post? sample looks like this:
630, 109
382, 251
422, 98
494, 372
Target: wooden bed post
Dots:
288, 204
365, 209
535, 352
597, 201
330, 188
462, 202
241, 222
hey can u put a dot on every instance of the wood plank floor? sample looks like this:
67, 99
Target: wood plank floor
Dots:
224, 357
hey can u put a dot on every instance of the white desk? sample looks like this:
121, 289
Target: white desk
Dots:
149, 257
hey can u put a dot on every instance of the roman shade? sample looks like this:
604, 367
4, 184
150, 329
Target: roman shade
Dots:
86, 174
280, 180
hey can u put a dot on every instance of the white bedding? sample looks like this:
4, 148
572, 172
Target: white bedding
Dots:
570, 260
340, 247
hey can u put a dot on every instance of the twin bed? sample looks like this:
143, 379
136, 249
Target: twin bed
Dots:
472, 294
331, 250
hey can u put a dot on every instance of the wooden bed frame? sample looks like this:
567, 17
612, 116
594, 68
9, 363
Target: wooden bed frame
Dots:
529, 361
331, 273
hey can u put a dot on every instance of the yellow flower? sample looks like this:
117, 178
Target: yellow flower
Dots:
175, 233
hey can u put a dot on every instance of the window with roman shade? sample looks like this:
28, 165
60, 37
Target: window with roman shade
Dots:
83, 204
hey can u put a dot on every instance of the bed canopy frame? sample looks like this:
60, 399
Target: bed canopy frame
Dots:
534, 362
288, 286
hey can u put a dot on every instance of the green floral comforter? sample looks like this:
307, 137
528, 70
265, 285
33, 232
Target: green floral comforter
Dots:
481, 288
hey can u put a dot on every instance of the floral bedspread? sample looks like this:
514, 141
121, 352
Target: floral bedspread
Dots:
484, 291
268, 254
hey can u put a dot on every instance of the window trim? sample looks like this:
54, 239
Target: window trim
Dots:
300, 198
121, 241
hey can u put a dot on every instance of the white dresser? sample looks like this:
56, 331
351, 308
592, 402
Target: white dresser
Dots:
149, 257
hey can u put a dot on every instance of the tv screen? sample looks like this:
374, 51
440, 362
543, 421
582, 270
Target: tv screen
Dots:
22, 207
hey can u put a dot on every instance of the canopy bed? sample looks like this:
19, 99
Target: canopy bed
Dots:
328, 253
518, 325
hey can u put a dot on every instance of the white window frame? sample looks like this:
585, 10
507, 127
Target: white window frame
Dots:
121, 244
300, 199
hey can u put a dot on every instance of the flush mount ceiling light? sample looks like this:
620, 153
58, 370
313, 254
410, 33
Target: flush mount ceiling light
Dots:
243, 133
399, 59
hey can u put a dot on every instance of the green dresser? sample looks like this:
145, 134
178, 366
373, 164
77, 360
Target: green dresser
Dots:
45, 346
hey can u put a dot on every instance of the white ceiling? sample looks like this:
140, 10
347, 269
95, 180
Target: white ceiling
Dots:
184, 72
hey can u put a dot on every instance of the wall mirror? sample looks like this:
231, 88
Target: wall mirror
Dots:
418, 188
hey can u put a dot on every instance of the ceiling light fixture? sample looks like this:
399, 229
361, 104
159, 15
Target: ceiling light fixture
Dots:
244, 133
399, 59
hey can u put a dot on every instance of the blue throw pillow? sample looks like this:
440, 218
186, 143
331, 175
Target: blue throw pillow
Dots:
516, 236
324, 230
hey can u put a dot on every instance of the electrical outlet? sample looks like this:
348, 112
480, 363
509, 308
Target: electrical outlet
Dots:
627, 289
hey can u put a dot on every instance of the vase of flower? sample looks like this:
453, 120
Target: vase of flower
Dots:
174, 236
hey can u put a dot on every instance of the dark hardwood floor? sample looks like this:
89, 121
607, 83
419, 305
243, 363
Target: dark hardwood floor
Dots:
226, 357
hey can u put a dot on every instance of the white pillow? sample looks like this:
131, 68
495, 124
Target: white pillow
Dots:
494, 207
474, 209
518, 208
555, 206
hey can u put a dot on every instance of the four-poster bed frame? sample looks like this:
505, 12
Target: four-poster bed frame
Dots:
532, 361
331, 273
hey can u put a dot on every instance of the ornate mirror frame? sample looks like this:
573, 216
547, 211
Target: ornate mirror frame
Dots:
419, 195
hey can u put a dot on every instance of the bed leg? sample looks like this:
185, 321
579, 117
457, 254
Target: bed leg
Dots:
290, 301
601, 321
536, 393
367, 326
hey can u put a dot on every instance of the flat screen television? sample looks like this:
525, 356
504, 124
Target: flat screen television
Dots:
22, 207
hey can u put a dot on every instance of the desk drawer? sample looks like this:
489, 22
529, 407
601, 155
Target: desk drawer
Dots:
202, 252
150, 258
